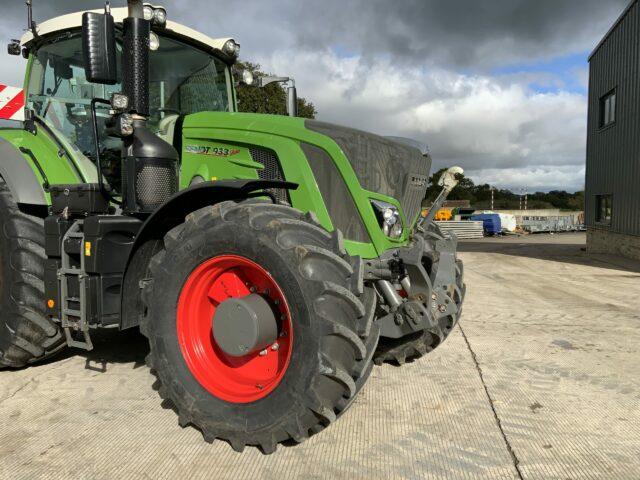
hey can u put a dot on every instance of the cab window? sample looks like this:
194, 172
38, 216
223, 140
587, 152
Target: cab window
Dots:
183, 80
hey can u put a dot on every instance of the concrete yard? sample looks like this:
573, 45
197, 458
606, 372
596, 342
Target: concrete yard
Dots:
542, 380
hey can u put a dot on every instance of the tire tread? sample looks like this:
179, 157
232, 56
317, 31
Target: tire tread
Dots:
330, 279
28, 336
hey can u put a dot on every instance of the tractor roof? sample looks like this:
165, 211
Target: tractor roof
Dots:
74, 20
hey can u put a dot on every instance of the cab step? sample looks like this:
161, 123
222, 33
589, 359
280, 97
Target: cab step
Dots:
74, 321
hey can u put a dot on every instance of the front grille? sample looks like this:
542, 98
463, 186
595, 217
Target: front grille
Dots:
272, 171
335, 193
415, 189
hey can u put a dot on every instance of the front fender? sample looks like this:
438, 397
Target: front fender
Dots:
171, 214
19, 176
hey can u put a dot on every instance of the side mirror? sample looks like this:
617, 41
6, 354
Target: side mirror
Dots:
13, 48
99, 48
264, 81
292, 101
246, 77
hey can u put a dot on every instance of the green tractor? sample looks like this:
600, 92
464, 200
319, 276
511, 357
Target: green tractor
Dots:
271, 261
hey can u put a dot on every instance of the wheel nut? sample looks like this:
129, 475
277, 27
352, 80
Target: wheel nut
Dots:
433, 296
275, 347
263, 353
442, 308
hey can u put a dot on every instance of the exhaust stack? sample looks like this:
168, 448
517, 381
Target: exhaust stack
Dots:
149, 164
135, 59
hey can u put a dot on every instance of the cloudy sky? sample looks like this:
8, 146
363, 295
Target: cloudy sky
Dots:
496, 86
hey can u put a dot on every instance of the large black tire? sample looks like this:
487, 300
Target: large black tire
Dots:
334, 333
414, 346
26, 335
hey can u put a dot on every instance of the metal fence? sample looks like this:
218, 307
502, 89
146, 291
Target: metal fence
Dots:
550, 224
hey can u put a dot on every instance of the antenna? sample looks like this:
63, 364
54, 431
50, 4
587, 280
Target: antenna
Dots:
29, 14
31, 24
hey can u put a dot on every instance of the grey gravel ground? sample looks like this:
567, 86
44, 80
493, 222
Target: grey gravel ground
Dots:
541, 381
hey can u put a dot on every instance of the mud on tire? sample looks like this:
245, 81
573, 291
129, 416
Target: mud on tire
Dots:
334, 336
26, 335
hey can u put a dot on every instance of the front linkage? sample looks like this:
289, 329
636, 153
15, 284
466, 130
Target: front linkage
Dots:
418, 319
421, 288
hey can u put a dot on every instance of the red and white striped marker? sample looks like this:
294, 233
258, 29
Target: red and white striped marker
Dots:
11, 103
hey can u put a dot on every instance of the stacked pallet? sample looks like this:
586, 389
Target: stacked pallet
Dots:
463, 228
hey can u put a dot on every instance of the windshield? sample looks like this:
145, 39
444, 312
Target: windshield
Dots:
183, 80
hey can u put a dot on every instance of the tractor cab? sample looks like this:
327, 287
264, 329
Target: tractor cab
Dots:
189, 73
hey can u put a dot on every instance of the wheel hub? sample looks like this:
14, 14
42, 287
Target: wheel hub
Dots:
234, 328
244, 325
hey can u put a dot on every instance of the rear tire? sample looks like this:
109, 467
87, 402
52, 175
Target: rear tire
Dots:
333, 335
26, 334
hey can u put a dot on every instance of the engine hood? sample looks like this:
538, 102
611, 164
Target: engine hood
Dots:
383, 165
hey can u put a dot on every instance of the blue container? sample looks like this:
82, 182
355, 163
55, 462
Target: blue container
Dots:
490, 222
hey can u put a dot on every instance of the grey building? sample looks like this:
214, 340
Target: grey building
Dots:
612, 195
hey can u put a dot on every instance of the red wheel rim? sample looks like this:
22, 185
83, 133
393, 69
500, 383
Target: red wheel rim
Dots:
233, 379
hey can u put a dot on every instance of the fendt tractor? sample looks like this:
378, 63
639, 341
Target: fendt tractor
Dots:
270, 261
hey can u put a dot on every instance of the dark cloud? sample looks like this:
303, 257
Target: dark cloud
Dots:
468, 34
416, 68
45, 9
463, 33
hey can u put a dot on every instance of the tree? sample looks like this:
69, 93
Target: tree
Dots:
480, 196
577, 202
271, 99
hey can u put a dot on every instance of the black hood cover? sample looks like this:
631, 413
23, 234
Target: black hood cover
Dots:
382, 165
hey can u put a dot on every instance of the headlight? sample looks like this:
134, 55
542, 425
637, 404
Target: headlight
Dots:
157, 16
147, 11
247, 77
126, 125
154, 42
389, 218
231, 48
119, 101
160, 17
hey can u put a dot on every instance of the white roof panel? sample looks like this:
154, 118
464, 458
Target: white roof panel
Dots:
74, 20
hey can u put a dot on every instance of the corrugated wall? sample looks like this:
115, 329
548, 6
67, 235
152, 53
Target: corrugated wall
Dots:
613, 153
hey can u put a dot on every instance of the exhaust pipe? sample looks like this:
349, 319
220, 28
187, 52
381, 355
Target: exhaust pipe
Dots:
135, 59
149, 164
136, 8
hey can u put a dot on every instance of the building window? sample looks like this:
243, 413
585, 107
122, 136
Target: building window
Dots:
604, 208
608, 109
